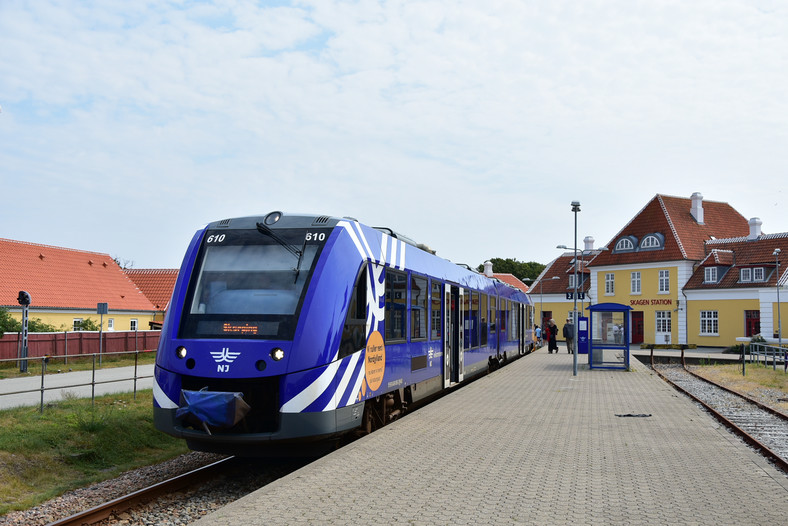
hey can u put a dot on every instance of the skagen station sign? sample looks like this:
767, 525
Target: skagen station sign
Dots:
661, 301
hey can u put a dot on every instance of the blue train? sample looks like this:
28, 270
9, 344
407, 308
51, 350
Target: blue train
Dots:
289, 329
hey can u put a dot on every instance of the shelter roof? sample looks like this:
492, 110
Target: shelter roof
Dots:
64, 278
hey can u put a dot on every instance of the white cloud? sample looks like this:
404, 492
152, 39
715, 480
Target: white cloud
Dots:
468, 126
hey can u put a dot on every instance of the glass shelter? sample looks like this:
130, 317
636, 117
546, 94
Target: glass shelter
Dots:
609, 336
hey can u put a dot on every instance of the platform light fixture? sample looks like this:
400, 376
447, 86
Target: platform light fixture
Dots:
575, 210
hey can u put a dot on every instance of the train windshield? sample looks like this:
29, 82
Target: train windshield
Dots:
250, 284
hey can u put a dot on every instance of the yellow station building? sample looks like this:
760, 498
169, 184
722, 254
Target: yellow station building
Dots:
693, 272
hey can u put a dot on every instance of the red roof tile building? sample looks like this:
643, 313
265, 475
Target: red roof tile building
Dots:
157, 285
693, 271
66, 285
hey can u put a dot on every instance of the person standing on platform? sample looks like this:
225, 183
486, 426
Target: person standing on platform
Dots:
538, 334
552, 344
569, 335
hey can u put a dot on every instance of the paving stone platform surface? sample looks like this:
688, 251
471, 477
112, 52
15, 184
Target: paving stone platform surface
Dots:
533, 444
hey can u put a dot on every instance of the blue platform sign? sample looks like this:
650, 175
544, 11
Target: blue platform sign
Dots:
582, 335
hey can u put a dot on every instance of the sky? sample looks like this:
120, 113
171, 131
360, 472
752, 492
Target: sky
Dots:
469, 126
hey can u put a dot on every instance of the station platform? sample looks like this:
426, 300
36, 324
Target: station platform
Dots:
533, 444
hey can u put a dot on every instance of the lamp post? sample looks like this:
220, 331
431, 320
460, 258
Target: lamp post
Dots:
575, 210
776, 255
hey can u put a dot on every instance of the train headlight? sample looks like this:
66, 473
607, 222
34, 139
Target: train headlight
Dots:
277, 354
180, 352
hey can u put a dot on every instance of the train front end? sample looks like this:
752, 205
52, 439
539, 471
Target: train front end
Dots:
247, 361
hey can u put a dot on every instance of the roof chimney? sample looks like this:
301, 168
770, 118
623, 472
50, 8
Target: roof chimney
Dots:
755, 228
589, 242
488, 269
697, 207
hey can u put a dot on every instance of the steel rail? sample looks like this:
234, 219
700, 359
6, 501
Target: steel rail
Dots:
754, 442
120, 504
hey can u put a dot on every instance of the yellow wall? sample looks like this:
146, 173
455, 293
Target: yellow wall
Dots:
730, 319
648, 301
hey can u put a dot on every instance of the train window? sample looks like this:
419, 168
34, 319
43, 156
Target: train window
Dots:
485, 316
493, 314
475, 319
435, 311
418, 308
502, 321
353, 332
249, 285
467, 319
396, 305
513, 323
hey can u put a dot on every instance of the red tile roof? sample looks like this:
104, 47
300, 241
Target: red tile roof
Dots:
684, 236
156, 284
512, 280
730, 255
63, 278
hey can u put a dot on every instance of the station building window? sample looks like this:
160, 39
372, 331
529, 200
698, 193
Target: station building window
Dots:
133, 324
709, 323
664, 281
610, 284
77, 324
710, 275
745, 275
635, 283
758, 274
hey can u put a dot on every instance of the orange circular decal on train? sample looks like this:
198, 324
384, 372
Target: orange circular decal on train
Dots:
375, 361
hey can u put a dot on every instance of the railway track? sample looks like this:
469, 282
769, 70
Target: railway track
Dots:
763, 427
126, 502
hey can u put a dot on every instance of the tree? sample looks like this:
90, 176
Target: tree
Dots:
519, 269
88, 324
10, 324
7, 323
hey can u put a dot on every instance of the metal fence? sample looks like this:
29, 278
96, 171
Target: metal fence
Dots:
94, 358
765, 354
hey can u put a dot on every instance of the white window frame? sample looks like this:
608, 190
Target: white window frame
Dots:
610, 284
650, 242
110, 324
663, 321
758, 274
710, 275
625, 244
133, 324
745, 275
709, 323
77, 323
664, 281
571, 281
635, 287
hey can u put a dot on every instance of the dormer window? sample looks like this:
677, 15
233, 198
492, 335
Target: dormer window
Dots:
625, 244
745, 275
710, 275
758, 274
652, 242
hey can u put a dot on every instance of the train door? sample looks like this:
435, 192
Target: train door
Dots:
453, 336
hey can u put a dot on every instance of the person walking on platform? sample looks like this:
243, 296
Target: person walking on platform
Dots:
552, 344
569, 334
538, 335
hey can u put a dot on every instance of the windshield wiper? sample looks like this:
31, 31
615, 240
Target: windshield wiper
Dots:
287, 246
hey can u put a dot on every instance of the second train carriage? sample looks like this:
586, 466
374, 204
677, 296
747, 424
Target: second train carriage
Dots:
289, 328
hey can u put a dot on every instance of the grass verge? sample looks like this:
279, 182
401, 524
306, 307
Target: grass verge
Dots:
761, 382
74, 444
